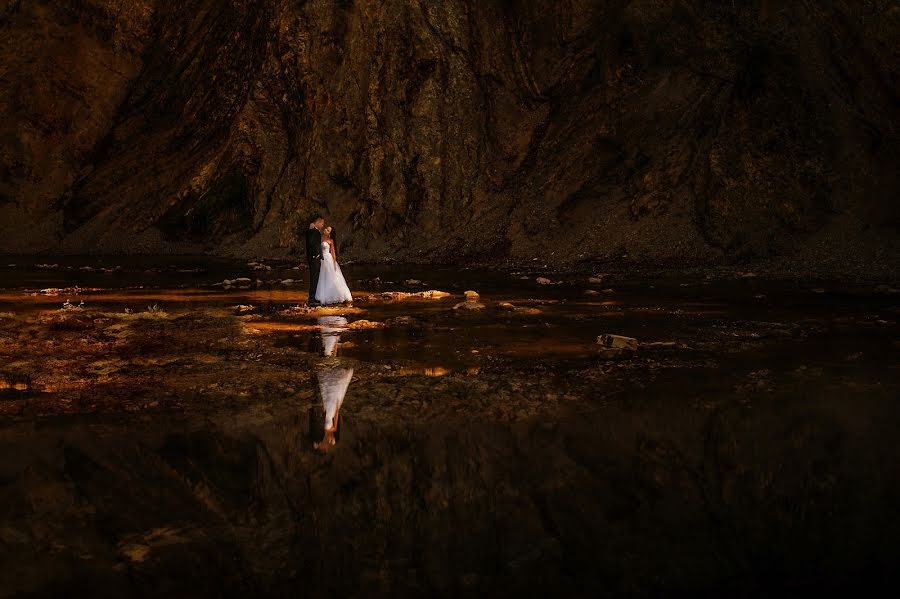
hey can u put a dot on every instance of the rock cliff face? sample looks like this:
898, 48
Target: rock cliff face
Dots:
425, 129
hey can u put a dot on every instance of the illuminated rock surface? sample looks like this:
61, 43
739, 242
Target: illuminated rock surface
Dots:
453, 130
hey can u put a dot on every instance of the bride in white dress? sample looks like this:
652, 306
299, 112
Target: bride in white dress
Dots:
332, 288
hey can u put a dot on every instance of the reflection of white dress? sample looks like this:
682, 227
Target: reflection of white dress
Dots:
332, 288
331, 332
333, 383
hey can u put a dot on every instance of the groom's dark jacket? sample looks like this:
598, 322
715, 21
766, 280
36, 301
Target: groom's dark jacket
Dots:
313, 245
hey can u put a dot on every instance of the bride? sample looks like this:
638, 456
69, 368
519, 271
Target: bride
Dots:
332, 288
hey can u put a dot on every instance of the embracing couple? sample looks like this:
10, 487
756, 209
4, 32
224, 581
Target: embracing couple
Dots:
326, 281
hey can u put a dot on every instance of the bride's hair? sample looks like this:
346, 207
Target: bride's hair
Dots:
333, 236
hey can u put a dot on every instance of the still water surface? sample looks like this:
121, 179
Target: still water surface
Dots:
752, 452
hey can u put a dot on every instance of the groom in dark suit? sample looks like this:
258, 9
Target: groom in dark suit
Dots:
314, 256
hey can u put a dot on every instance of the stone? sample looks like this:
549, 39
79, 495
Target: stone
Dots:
471, 295
413, 282
591, 292
595, 280
508, 307
288, 281
543, 281
434, 294
244, 309
357, 325
469, 306
618, 342
242, 282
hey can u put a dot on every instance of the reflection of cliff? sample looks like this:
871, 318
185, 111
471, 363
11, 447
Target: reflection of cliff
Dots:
626, 501
654, 128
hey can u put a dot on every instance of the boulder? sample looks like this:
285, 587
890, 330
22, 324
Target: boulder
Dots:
242, 282
595, 280
472, 295
469, 306
413, 282
543, 281
618, 342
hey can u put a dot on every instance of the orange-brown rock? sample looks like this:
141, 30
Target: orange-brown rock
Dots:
451, 130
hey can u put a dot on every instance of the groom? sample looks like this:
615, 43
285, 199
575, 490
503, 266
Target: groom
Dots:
314, 257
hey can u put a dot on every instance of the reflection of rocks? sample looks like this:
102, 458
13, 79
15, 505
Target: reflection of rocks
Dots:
656, 498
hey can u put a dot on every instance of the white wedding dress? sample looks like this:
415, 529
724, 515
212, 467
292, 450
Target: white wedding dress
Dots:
332, 288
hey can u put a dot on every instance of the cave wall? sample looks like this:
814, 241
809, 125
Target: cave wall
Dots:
425, 129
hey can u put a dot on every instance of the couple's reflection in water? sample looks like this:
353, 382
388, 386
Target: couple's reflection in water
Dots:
334, 378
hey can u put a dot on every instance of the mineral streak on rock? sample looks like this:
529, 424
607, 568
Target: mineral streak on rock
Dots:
450, 130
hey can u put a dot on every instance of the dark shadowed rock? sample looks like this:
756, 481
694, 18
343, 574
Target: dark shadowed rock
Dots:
617, 342
688, 130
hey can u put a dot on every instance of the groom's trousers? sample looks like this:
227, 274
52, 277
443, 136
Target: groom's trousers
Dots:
315, 266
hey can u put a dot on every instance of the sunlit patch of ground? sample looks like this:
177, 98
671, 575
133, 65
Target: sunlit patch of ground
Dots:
83, 350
